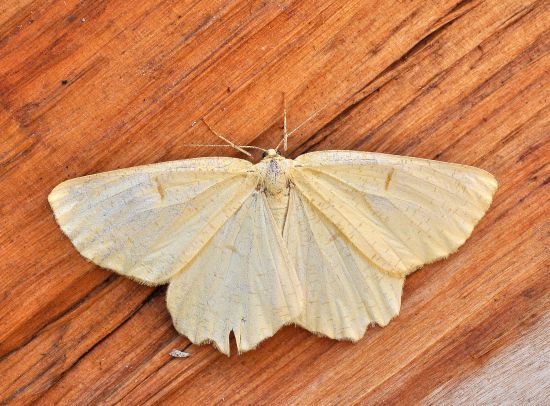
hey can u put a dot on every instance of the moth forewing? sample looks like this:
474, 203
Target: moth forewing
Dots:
424, 212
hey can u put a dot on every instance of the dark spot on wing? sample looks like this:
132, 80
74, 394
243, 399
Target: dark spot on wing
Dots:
389, 178
160, 189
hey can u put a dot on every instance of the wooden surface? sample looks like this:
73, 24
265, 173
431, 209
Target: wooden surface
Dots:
89, 86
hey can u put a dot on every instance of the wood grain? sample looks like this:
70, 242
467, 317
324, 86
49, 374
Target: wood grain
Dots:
87, 87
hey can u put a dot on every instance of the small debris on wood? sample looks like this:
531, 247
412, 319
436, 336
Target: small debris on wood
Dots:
179, 354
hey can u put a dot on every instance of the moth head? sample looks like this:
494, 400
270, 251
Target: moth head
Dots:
270, 153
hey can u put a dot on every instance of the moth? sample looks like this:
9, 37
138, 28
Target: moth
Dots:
323, 241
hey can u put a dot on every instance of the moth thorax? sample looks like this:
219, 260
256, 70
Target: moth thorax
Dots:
275, 178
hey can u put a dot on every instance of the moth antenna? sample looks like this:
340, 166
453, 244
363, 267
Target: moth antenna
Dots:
284, 140
230, 143
240, 148
209, 145
285, 129
287, 134
253, 147
227, 146
307, 120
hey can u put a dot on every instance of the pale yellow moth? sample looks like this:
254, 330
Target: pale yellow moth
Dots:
323, 241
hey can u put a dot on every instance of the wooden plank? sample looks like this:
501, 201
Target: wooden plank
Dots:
88, 87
